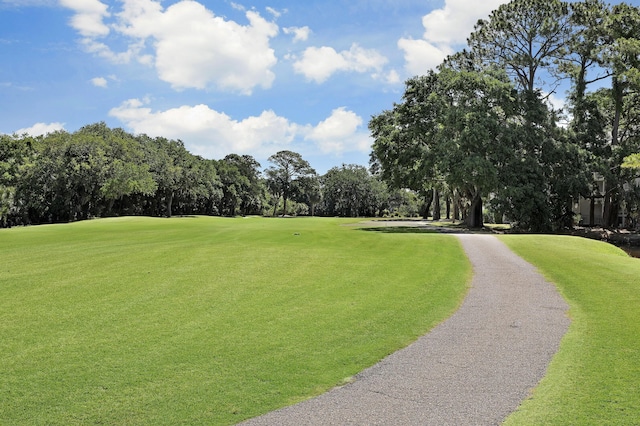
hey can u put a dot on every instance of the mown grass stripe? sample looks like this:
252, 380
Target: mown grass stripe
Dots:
594, 379
206, 320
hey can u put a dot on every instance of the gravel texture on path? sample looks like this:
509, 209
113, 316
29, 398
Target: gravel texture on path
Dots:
473, 369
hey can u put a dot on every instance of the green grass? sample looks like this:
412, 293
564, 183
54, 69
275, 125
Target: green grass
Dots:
594, 379
206, 320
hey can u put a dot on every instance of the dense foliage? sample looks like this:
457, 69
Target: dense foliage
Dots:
98, 172
481, 126
478, 135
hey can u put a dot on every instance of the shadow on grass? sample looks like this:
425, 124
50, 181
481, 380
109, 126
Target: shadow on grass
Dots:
400, 230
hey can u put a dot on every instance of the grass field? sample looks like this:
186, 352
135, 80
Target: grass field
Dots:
594, 379
206, 320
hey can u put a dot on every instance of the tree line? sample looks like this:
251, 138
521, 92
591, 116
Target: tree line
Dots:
480, 129
98, 172
477, 137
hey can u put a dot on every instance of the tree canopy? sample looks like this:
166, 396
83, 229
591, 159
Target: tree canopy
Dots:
97, 172
489, 134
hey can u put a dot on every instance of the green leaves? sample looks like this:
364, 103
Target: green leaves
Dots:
288, 167
350, 191
448, 130
523, 36
98, 171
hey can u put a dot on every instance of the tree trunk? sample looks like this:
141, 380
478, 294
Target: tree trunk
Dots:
611, 203
592, 212
109, 211
169, 203
448, 201
611, 207
456, 205
436, 204
475, 219
427, 205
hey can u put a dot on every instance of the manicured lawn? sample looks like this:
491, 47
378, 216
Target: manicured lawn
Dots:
595, 377
206, 320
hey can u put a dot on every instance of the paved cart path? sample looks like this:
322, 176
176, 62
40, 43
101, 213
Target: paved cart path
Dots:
473, 369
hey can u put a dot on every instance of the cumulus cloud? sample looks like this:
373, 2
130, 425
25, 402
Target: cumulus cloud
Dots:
342, 131
40, 129
208, 132
100, 82
421, 56
445, 29
320, 63
393, 77
89, 16
455, 21
214, 134
299, 33
189, 45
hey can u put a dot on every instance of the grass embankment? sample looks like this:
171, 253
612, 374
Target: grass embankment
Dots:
206, 320
595, 377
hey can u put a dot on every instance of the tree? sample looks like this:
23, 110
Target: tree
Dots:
349, 191
604, 48
16, 153
525, 37
622, 35
308, 190
124, 172
531, 40
288, 168
403, 153
206, 192
242, 188
172, 166
124, 178
450, 127
98, 171
477, 124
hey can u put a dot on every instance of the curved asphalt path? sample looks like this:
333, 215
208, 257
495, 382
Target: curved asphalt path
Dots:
473, 369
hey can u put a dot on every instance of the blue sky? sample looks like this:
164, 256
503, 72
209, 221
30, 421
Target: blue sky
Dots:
245, 76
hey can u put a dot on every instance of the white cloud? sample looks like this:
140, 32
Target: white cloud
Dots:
188, 44
393, 77
555, 101
100, 82
214, 134
445, 29
421, 56
453, 23
274, 12
28, 3
89, 16
40, 129
104, 51
239, 7
320, 63
340, 132
197, 49
208, 132
299, 33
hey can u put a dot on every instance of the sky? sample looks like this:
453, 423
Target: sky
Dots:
245, 76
